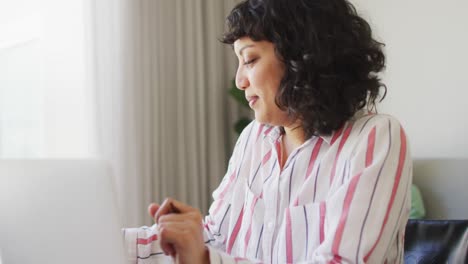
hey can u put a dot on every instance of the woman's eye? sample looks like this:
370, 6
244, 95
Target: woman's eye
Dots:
250, 61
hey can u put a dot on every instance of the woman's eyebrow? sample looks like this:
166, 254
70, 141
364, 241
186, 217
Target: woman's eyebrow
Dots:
243, 48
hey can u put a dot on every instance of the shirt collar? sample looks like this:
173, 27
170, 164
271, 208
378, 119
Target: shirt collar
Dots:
357, 115
274, 132
327, 138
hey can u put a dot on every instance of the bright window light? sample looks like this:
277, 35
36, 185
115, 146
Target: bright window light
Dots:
45, 104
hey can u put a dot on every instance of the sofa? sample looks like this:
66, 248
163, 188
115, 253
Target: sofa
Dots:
443, 236
436, 241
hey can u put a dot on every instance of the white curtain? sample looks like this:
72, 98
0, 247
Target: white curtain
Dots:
164, 118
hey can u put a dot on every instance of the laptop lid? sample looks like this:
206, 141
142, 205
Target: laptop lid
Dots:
58, 211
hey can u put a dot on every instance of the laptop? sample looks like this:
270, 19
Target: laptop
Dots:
58, 211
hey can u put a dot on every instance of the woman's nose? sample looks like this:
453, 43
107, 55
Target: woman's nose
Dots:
241, 80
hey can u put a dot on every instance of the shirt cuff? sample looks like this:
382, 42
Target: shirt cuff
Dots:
143, 246
130, 240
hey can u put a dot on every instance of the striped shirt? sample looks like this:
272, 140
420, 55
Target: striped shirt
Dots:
342, 198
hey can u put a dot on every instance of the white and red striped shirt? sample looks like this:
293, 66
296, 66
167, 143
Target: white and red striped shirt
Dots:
342, 198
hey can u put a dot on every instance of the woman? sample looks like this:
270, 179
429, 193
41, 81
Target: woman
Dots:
316, 178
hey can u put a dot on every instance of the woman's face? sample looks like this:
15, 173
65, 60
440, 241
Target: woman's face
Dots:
259, 73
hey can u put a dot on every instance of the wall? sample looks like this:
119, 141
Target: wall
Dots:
426, 45
439, 181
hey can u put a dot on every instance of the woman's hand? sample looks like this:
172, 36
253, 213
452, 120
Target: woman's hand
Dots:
181, 231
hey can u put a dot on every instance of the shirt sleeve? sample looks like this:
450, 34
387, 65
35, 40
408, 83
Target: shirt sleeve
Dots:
143, 246
219, 257
217, 222
143, 243
367, 214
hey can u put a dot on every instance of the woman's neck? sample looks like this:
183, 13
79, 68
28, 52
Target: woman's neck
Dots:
293, 137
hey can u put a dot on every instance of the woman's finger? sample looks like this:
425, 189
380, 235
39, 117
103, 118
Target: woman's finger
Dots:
152, 209
170, 233
187, 240
165, 208
181, 207
192, 216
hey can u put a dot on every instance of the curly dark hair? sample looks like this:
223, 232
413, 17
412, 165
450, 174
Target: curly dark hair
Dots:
331, 59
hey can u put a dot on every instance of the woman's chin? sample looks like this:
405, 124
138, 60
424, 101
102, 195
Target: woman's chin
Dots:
279, 119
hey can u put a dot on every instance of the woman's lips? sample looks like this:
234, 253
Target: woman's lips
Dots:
252, 100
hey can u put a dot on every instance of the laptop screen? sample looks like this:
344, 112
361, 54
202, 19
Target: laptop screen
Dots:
58, 211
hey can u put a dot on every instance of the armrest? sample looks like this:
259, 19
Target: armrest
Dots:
436, 241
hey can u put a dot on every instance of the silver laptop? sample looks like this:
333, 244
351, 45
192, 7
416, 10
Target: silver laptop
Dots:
54, 211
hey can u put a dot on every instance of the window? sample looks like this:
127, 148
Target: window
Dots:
45, 102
